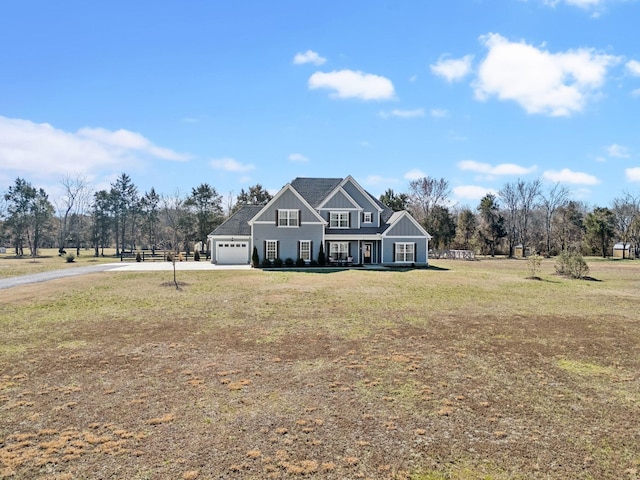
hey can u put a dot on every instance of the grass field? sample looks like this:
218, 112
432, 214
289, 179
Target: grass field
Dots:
467, 370
48, 259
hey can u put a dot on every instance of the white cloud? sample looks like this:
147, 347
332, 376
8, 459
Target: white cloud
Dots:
472, 192
584, 3
633, 174
439, 113
230, 165
417, 112
126, 140
634, 67
41, 151
576, 3
297, 157
379, 181
495, 170
595, 6
308, 57
414, 174
636, 92
555, 84
452, 69
353, 84
618, 151
568, 176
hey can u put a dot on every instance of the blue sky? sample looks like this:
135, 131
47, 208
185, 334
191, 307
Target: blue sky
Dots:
234, 93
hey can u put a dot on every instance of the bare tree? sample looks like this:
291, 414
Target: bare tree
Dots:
73, 188
528, 193
509, 196
175, 213
626, 210
228, 203
519, 198
425, 194
555, 198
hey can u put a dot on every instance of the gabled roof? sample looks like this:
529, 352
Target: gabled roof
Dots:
287, 188
332, 195
315, 190
397, 216
238, 223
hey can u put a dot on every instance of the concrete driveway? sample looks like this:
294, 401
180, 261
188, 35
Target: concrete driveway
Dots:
114, 267
180, 266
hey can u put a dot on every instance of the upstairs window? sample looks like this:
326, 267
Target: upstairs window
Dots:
367, 217
339, 220
288, 218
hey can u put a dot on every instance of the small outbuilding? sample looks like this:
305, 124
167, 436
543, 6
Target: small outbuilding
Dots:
519, 251
622, 250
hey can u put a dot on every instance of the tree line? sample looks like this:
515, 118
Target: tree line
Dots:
523, 214
120, 217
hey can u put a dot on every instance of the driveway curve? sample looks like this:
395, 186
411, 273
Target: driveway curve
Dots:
115, 267
52, 275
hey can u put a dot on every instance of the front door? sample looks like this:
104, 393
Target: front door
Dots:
367, 250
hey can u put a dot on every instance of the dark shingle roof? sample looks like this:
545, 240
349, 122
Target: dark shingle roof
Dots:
238, 223
386, 211
315, 190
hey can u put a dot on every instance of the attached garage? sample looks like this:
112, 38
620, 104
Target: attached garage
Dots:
232, 252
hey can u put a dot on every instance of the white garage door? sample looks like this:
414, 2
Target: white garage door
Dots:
230, 253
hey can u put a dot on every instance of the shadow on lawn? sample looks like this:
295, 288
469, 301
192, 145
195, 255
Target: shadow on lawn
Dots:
376, 268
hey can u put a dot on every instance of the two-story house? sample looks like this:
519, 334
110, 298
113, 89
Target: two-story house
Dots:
351, 224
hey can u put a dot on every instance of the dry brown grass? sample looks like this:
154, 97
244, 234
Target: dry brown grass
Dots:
468, 372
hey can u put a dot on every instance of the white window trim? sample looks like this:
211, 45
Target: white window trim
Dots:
308, 250
404, 253
275, 249
368, 215
342, 250
286, 215
340, 216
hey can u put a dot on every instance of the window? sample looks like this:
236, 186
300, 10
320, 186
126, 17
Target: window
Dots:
367, 217
288, 218
305, 250
271, 249
339, 220
339, 250
405, 252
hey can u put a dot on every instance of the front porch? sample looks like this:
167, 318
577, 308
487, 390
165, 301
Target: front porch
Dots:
347, 252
